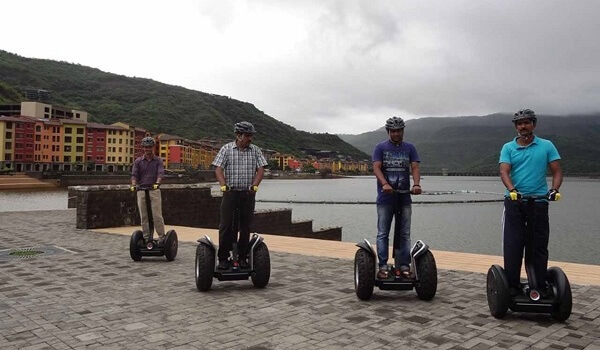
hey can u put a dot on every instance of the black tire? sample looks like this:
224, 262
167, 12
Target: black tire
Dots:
498, 296
262, 266
134, 245
562, 288
364, 274
171, 244
427, 273
205, 267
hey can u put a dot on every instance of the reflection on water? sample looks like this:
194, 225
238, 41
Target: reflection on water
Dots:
464, 227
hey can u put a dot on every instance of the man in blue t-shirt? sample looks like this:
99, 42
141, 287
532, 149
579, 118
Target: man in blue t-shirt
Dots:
523, 165
393, 160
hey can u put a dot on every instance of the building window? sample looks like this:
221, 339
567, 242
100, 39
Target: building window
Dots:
79, 140
9, 135
38, 128
67, 148
8, 145
68, 130
79, 159
67, 139
79, 149
9, 125
80, 131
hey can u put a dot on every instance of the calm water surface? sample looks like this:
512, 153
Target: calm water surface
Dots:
462, 227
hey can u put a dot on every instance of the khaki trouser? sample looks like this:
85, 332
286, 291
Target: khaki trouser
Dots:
159, 223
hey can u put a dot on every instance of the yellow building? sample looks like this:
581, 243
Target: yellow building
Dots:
119, 144
6, 142
73, 134
129, 138
283, 160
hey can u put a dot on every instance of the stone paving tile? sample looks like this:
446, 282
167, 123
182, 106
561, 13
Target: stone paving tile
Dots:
96, 297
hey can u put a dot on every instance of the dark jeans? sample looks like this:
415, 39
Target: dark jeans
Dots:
243, 201
523, 221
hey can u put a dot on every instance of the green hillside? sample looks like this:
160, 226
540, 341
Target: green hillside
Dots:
472, 144
153, 105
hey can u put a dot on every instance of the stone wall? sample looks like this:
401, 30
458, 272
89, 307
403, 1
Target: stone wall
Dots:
190, 205
92, 179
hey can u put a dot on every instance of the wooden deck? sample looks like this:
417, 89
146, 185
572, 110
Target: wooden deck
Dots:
22, 181
578, 273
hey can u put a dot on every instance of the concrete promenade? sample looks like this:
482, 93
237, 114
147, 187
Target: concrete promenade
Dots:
84, 292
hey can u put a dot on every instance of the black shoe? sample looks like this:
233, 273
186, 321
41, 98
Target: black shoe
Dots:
514, 291
244, 264
223, 265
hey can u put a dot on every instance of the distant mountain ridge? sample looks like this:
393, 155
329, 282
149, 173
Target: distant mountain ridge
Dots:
472, 144
156, 106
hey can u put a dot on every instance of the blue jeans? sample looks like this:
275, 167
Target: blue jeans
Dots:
385, 214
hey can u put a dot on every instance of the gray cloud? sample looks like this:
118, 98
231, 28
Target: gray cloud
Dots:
438, 58
341, 66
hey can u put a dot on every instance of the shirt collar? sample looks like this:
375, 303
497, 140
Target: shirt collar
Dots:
535, 138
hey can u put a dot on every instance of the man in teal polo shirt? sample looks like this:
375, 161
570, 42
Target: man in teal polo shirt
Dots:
523, 165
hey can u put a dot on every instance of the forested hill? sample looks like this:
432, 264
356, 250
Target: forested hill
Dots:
158, 107
472, 144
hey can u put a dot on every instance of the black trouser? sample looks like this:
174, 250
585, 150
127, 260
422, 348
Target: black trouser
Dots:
523, 221
243, 201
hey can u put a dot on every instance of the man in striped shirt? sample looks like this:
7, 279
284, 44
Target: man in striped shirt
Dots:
239, 168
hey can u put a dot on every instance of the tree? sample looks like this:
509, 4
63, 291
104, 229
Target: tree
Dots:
308, 168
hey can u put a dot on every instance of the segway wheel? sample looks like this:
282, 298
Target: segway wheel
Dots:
497, 291
262, 266
562, 288
205, 266
134, 245
171, 244
427, 273
364, 274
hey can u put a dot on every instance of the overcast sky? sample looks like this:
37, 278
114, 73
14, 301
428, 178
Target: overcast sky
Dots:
333, 66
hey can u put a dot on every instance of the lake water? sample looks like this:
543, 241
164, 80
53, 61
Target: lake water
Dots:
461, 227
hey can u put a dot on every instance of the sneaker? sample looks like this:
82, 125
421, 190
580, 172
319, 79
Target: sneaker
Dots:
223, 265
383, 273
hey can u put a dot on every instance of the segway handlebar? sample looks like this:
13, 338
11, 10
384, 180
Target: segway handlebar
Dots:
402, 191
152, 187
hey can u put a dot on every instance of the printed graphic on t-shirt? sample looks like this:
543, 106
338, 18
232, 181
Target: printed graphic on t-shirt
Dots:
395, 167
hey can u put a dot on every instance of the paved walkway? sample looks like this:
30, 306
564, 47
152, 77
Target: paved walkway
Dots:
92, 295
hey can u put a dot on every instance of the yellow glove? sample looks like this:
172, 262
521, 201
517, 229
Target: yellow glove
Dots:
553, 195
224, 188
155, 186
254, 188
514, 194
132, 188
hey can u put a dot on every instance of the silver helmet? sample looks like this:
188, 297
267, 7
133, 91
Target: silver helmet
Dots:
244, 128
525, 114
394, 123
148, 142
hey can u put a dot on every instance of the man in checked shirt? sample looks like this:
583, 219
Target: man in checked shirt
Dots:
239, 168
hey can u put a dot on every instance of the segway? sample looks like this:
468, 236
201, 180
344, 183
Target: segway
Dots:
258, 267
423, 270
139, 247
557, 301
